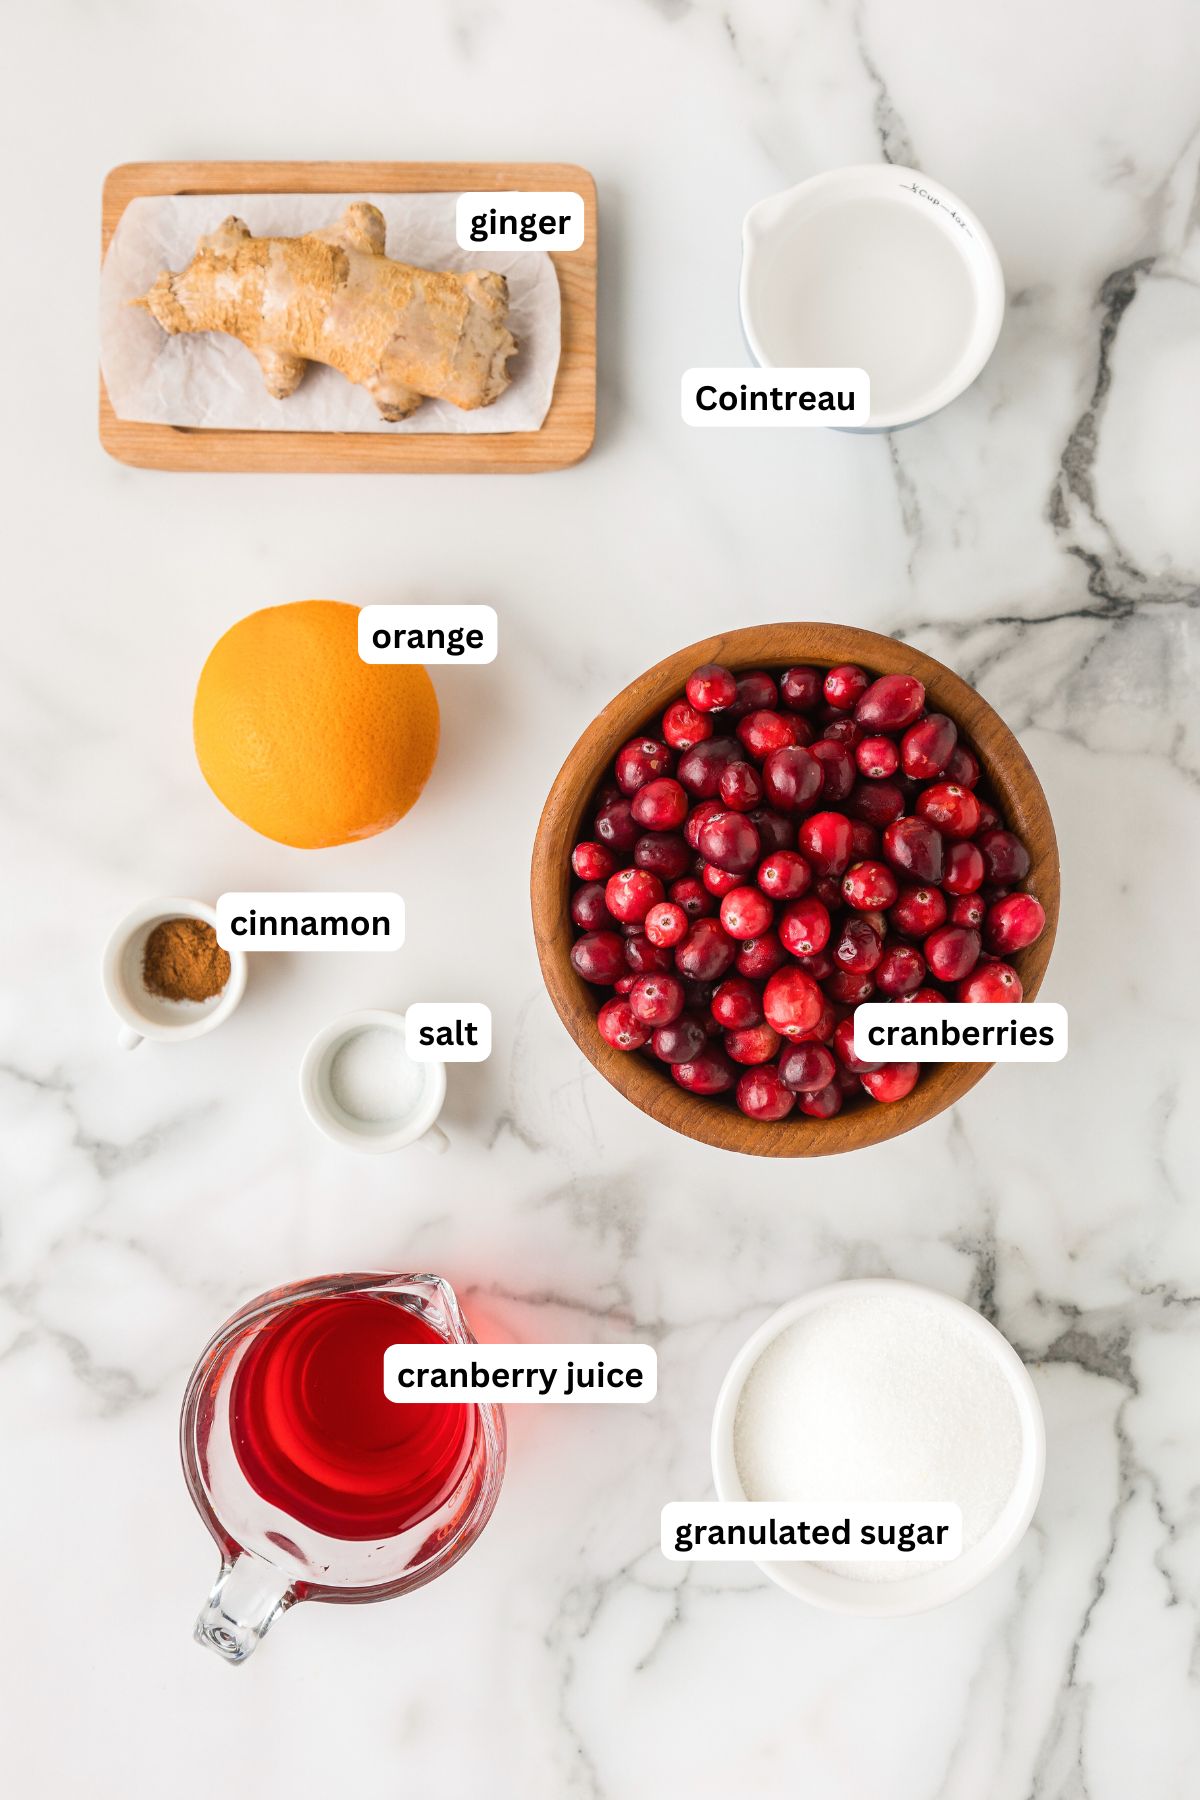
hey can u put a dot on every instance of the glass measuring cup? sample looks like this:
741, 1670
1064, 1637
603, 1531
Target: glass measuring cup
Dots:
313, 1486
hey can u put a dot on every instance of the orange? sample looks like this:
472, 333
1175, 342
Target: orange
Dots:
303, 741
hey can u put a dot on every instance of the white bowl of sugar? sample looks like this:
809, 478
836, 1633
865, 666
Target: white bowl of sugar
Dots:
880, 1391
879, 268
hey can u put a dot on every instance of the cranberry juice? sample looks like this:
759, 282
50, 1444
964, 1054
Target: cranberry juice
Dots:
315, 1435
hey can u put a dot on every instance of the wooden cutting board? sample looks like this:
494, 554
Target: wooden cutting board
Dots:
568, 429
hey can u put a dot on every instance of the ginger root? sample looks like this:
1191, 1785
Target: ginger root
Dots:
404, 334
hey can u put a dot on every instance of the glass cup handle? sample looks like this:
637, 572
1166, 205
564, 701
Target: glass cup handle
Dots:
247, 1598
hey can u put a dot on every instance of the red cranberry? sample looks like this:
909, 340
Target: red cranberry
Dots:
681, 1041
666, 924
775, 832
865, 842
968, 910
663, 853
792, 777
962, 767
1014, 923
645, 958
953, 809
720, 881
858, 948
661, 805
711, 1072
630, 893
752, 1044
818, 963
914, 846
806, 1067
901, 971
804, 928
692, 897
587, 907
869, 886
761, 1095
792, 1002
838, 769
592, 862
599, 957
893, 1081
683, 727
878, 802
625, 983
951, 952
842, 731
741, 787
918, 911
877, 757
1005, 855
800, 688
850, 987
992, 983
963, 868
827, 891
700, 768
615, 826
762, 732
657, 999
927, 746
824, 838
785, 875
704, 809
760, 957
824, 1104
710, 687
746, 913
925, 996
890, 703
843, 1044
639, 761
845, 685
620, 1026
731, 841
756, 692
706, 952
736, 1004
989, 818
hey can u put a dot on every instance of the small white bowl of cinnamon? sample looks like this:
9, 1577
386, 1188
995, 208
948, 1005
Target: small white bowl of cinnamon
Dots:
166, 976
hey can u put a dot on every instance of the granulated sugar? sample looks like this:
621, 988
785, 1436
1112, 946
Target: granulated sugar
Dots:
880, 1397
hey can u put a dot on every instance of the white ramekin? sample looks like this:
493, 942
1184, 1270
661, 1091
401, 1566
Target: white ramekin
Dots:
823, 1586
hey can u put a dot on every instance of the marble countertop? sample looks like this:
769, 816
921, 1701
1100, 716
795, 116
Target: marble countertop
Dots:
1042, 536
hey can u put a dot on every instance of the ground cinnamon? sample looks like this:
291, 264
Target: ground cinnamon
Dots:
183, 961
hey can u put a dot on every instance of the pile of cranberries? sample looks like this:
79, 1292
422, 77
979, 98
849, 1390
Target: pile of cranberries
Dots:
777, 850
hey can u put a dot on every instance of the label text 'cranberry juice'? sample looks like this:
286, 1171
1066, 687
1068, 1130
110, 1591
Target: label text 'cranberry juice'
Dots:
315, 1435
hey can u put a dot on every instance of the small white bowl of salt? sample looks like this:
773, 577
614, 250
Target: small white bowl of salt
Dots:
880, 1393
361, 1088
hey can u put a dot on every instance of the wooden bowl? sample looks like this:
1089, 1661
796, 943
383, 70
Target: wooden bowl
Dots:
1007, 773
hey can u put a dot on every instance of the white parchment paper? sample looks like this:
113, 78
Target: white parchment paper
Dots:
208, 379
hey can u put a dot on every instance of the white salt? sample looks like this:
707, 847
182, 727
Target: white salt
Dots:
880, 1397
373, 1078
